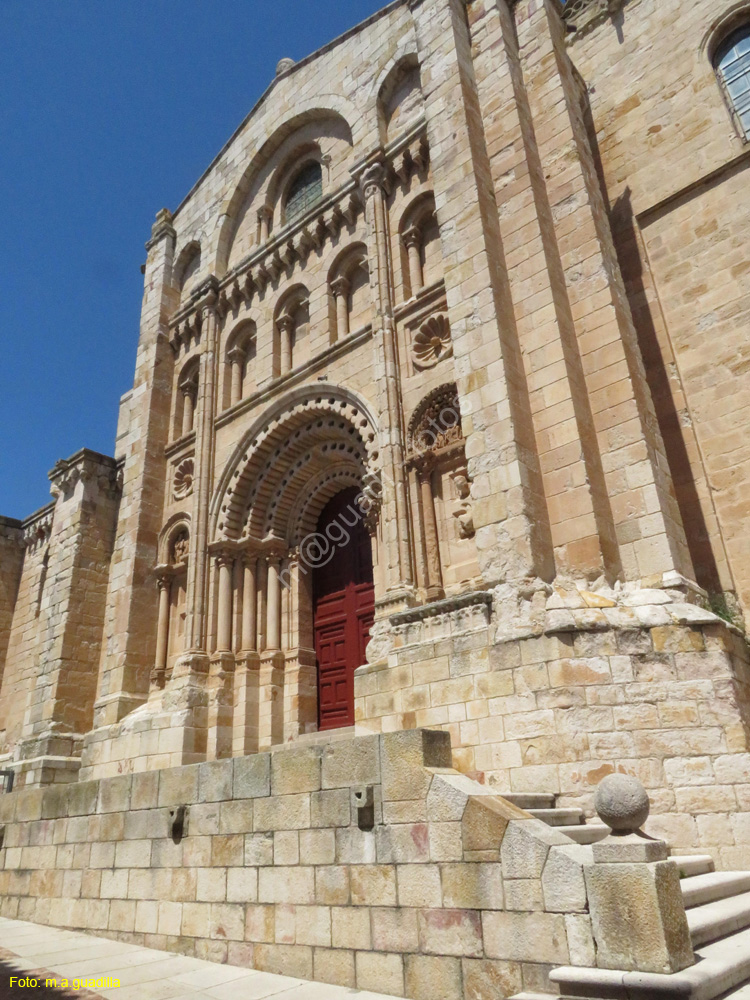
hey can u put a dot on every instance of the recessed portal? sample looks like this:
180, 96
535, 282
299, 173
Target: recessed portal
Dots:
343, 608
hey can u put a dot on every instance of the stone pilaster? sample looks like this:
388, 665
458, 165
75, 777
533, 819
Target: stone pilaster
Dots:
71, 611
631, 468
395, 513
11, 563
131, 615
513, 537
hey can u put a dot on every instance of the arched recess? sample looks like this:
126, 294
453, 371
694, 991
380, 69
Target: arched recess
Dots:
291, 346
187, 381
350, 303
186, 268
171, 578
239, 363
400, 98
326, 128
441, 490
421, 252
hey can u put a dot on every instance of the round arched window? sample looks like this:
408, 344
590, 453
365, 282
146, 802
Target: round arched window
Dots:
733, 66
305, 190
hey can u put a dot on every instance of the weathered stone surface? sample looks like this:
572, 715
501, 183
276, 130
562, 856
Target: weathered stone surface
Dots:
356, 762
525, 937
404, 757
294, 771
252, 777
432, 978
638, 917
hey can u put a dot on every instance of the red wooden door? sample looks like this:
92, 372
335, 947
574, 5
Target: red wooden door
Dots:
343, 608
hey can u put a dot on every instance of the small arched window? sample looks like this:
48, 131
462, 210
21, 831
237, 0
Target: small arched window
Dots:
304, 191
732, 63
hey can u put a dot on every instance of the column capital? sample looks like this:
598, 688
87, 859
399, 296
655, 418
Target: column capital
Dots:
340, 286
285, 322
206, 295
189, 384
224, 558
265, 213
412, 237
237, 355
374, 179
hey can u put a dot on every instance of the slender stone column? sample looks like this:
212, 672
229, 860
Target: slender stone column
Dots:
432, 545
225, 564
162, 632
265, 217
236, 359
340, 287
286, 329
396, 533
188, 406
412, 240
197, 590
249, 604
273, 630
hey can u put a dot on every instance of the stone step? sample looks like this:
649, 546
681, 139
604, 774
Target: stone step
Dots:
588, 833
317, 739
743, 993
720, 967
700, 889
717, 919
530, 800
559, 817
535, 996
693, 864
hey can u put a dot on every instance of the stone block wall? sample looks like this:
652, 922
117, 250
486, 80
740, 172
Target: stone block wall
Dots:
430, 888
11, 561
23, 633
672, 164
540, 697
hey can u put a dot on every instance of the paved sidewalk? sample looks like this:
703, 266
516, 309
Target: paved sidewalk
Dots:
144, 974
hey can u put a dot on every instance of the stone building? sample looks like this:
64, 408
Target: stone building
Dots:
438, 422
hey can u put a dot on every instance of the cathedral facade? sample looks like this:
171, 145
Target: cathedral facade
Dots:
439, 421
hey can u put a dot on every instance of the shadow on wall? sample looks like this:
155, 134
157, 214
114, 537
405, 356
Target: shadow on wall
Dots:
637, 287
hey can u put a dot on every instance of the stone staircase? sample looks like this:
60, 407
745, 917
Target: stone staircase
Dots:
571, 822
718, 913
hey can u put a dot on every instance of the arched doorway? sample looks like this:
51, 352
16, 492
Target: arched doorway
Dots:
343, 608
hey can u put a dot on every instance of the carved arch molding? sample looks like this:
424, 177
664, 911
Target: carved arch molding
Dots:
292, 464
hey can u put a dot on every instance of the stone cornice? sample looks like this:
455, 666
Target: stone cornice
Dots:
85, 465
475, 598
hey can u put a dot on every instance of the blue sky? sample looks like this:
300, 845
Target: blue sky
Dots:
109, 110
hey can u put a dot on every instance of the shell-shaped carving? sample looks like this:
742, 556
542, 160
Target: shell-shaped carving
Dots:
432, 342
182, 485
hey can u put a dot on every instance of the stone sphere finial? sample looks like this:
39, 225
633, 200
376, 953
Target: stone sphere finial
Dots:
622, 803
283, 65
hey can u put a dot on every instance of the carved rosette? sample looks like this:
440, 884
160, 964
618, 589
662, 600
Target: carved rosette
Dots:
432, 342
182, 484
